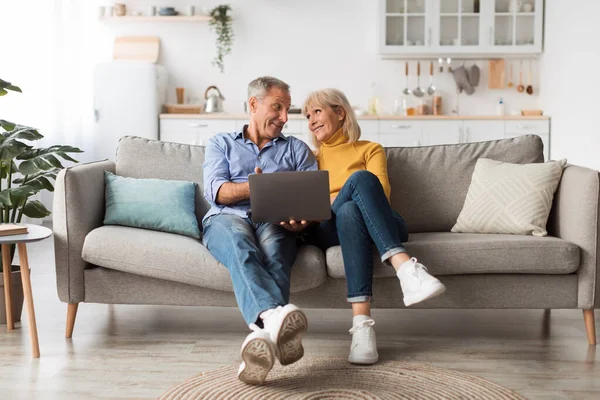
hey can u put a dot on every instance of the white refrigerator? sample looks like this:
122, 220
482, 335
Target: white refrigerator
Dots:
128, 96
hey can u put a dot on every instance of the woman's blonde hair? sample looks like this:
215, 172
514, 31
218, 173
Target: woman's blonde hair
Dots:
336, 100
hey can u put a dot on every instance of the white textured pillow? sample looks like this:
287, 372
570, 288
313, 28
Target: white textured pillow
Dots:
510, 198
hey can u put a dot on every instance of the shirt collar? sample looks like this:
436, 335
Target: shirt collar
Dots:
240, 135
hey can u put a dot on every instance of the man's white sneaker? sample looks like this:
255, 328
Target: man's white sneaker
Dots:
363, 349
258, 357
417, 285
286, 325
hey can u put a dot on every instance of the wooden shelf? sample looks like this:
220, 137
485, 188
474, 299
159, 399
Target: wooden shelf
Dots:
175, 18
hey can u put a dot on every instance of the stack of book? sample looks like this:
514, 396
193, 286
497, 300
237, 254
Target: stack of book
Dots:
12, 229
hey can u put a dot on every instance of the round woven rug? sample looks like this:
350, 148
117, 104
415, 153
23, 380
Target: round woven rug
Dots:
334, 378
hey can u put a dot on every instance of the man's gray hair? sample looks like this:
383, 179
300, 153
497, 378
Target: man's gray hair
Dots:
261, 86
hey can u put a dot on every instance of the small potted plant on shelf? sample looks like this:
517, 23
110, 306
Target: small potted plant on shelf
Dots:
24, 172
221, 22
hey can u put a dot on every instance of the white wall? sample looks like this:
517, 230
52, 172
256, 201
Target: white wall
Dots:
570, 79
310, 44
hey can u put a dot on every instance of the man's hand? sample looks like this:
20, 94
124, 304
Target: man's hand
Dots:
332, 198
294, 226
258, 170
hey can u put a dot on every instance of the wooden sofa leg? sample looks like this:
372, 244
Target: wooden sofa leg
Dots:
71, 313
590, 326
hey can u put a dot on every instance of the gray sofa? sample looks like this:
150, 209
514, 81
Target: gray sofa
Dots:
122, 265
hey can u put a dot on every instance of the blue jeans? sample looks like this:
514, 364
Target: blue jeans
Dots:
259, 257
361, 216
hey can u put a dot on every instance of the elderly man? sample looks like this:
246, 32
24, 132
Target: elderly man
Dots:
259, 256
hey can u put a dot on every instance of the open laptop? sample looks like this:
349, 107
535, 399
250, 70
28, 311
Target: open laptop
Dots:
281, 196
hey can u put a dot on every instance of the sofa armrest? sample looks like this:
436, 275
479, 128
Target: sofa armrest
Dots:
575, 218
78, 209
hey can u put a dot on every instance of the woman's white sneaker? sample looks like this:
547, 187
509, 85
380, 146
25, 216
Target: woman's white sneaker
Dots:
417, 285
363, 349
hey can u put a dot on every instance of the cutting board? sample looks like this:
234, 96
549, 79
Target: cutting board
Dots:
140, 48
496, 74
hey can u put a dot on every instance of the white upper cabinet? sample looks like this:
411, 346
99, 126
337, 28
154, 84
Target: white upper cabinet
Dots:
467, 28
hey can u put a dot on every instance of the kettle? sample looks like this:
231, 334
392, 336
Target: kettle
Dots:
214, 102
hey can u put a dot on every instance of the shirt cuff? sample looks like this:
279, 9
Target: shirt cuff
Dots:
214, 189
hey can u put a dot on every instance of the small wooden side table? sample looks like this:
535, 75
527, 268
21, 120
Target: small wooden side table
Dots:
35, 234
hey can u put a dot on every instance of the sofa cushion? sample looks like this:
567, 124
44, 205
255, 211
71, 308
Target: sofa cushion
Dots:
142, 158
157, 204
182, 259
429, 184
510, 198
445, 253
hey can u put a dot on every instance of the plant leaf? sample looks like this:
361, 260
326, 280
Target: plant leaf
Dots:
40, 183
14, 88
4, 169
35, 209
28, 178
15, 196
3, 92
36, 160
8, 126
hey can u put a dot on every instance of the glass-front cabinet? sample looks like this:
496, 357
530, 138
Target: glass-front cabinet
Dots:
460, 27
408, 24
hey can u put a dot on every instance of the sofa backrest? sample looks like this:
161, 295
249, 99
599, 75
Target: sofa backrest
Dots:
142, 158
429, 184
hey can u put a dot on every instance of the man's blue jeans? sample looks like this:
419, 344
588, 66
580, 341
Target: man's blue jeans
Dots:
259, 257
361, 216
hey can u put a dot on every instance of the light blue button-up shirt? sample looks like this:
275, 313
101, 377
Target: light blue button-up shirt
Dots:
230, 157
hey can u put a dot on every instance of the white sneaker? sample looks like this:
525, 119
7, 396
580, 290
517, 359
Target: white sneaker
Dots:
286, 325
258, 357
363, 349
417, 285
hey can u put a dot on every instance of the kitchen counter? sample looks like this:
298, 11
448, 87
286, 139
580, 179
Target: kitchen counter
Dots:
366, 117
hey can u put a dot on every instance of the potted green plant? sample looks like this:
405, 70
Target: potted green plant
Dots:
221, 22
24, 172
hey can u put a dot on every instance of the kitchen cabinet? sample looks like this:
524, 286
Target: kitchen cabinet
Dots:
481, 131
465, 28
389, 132
442, 132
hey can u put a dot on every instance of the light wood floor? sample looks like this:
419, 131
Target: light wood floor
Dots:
127, 352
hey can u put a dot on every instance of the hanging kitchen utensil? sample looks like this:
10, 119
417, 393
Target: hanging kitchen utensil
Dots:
461, 77
406, 90
529, 89
449, 62
474, 75
431, 88
496, 72
520, 88
418, 91
510, 77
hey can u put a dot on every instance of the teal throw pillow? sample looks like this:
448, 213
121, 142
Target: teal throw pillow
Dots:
157, 204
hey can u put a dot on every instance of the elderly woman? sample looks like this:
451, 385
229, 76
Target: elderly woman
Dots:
361, 215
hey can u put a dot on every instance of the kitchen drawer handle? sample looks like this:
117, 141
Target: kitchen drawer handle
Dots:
521, 126
396, 126
198, 125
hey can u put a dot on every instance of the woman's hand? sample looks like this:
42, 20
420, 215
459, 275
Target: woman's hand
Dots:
294, 225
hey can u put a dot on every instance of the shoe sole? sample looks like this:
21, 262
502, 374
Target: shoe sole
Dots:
289, 340
258, 360
435, 290
363, 361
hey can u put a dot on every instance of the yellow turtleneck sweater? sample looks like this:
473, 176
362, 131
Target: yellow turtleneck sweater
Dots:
342, 159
